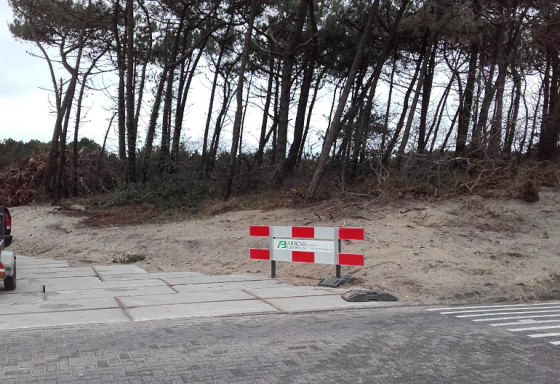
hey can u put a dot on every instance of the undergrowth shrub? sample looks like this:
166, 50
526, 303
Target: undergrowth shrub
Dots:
170, 191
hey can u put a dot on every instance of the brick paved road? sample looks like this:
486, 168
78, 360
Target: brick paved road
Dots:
390, 345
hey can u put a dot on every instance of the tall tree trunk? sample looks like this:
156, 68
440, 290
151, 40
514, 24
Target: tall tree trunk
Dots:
121, 69
147, 58
78, 119
152, 125
203, 158
335, 126
309, 114
426, 94
388, 111
288, 60
489, 91
214, 144
239, 97
439, 114
263, 137
451, 127
70, 92
550, 131
181, 105
512, 121
298, 142
365, 121
400, 123
244, 113
130, 122
466, 105
421, 78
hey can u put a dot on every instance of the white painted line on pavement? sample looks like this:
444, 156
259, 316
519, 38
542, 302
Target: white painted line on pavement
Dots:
498, 309
490, 306
545, 335
523, 322
506, 313
534, 328
515, 317
555, 342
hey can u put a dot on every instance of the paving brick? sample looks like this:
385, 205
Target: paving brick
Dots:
381, 346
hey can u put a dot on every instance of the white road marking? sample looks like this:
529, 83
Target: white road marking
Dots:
498, 309
505, 313
545, 335
534, 328
491, 306
515, 317
525, 322
524, 315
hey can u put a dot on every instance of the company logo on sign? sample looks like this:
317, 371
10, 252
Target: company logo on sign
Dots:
304, 245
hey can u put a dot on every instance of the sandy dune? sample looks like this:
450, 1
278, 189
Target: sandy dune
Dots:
461, 250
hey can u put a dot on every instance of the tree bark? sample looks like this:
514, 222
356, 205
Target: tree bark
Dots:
466, 105
400, 124
203, 158
426, 94
335, 127
130, 118
299, 124
263, 137
287, 68
239, 97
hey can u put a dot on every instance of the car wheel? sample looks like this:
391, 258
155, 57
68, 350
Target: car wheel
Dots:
10, 281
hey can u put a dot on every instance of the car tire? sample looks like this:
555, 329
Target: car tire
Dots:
10, 281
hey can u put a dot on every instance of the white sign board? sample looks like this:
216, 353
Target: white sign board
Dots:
304, 245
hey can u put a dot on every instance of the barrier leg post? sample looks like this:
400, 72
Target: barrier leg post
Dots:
338, 265
273, 268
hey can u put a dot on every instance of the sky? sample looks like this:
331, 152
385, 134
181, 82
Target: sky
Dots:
26, 98
24, 110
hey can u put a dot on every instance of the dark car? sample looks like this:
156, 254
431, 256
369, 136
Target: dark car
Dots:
7, 258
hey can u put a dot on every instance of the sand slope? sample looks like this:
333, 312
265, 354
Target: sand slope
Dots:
461, 250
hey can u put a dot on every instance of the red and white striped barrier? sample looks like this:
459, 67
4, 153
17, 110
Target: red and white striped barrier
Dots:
319, 245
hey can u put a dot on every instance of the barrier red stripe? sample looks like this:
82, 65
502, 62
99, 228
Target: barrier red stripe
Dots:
307, 232
303, 257
351, 233
259, 254
258, 230
351, 259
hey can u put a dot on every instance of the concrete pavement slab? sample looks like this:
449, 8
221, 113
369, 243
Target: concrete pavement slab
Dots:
70, 281
107, 292
26, 261
183, 298
213, 279
199, 309
68, 272
228, 286
316, 303
158, 275
47, 306
34, 270
290, 291
23, 288
118, 269
58, 286
81, 295
17, 297
33, 320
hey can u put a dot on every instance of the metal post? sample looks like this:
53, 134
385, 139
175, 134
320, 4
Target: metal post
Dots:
273, 269
338, 267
